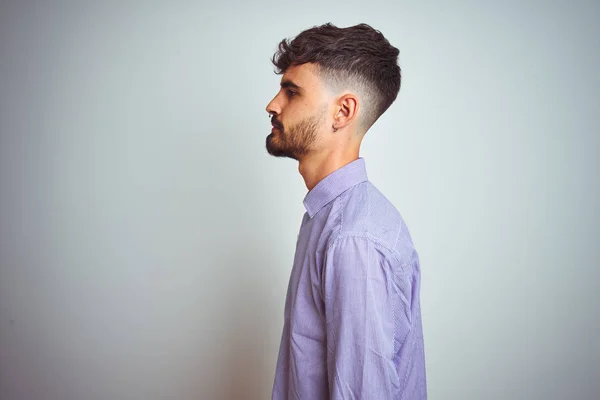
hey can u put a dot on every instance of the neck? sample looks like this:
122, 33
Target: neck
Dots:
315, 167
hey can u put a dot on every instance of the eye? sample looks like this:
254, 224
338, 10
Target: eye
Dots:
291, 93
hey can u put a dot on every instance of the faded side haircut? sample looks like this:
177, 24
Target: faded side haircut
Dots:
357, 58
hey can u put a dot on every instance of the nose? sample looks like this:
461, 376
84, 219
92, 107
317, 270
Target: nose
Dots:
273, 107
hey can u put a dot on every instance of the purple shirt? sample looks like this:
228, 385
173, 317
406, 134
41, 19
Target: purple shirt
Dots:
352, 326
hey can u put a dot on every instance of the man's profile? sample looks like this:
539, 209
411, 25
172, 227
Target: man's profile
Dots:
352, 327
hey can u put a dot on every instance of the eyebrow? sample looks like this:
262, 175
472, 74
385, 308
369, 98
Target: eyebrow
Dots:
286, 83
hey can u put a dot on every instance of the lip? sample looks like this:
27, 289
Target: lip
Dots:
275, 124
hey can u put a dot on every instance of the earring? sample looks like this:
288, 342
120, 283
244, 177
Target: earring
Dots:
334, 128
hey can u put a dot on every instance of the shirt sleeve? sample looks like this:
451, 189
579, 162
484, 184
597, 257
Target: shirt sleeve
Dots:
359, 318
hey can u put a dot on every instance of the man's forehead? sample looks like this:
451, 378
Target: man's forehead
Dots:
303, 75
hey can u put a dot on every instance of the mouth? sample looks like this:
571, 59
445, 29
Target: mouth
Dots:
275, 125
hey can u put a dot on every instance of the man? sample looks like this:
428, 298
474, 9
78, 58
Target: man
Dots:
352, 326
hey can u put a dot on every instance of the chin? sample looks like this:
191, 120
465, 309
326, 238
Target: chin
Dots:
276, 151
272, 148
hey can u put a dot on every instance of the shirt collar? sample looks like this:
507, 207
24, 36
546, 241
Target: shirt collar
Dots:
334, 185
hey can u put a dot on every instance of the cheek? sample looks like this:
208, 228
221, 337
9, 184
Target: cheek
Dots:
295, 111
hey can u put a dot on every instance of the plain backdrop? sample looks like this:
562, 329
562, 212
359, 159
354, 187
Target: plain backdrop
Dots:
146, 237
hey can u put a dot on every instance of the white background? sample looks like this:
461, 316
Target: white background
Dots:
146, 237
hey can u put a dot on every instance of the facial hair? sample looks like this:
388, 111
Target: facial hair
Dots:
296, 141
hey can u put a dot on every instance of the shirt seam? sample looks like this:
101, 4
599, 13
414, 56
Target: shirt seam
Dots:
374, 240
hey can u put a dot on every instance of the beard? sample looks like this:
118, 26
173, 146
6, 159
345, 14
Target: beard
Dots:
297, 140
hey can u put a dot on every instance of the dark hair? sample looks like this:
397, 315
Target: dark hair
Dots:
358, 57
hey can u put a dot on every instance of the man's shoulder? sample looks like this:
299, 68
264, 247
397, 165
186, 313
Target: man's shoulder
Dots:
366, 212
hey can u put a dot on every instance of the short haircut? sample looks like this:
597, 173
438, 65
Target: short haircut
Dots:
358, 58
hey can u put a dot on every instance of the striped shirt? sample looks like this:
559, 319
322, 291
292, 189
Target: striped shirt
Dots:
352, 321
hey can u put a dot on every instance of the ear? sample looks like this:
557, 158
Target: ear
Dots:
346, 110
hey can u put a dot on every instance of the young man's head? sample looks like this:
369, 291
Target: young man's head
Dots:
336, 83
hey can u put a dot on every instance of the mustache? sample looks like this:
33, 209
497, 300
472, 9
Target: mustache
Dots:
276, 123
